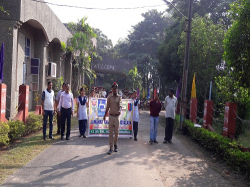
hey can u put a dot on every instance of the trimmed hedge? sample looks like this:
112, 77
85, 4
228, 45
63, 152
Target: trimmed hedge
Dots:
13, 130
227, 149
4, 131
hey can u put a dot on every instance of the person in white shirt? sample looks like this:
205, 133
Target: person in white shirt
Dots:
57, 105
82, 103
66, 110
135, 114
104, 93
48, 107
170, 107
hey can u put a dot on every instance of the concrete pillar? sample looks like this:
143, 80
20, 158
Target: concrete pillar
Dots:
68, 70
3, 102
10, 39
230, 120
24, 101
193, 110
208, 113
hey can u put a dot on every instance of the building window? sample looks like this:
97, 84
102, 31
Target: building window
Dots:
34, 71
27, 47
49, 57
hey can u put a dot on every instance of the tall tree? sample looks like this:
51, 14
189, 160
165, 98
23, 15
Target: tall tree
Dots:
237, 43
216, 9
142, 45
81, 46
206, 54
170, 62
104, 45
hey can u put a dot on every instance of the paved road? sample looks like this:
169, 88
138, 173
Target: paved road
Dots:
84, 162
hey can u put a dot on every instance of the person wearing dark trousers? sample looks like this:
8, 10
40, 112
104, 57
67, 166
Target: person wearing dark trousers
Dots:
48, 108
170, 106
82, 103
66, 109
57, 105
135, 115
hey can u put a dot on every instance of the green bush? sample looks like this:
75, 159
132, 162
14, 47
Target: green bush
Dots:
17, 129
4, 131
227, 149
33, 123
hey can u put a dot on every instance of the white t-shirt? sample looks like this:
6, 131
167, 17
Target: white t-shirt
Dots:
104, 93
170, 106
136, 111
82, 110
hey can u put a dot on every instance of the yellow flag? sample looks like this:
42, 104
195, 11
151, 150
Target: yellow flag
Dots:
193, 92
143, 94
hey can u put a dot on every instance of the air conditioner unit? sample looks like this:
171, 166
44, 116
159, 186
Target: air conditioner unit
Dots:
51, 70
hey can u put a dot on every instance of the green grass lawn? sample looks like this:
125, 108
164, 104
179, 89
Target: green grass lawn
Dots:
24, 150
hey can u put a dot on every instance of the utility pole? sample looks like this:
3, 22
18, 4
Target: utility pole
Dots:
183, 103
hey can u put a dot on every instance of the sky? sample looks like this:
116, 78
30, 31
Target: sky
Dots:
115, 24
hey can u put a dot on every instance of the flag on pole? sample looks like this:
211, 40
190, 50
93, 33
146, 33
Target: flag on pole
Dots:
1, 62
193, 92
154, 92
138, 92
148, 94
143, 93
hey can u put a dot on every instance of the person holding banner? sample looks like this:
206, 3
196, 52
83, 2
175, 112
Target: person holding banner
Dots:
154, 108
82, 102
114, 106
135, 114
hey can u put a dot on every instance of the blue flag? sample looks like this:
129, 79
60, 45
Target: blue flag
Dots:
148, 94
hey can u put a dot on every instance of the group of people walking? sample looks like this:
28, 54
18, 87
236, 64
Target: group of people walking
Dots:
63, 105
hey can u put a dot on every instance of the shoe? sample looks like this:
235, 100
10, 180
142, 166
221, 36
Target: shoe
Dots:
110, 151
84, 136
62, 138
135, 139
115, 148
80, 136
67, 138
151, 141
165, 141
170, 141
44, 138
52, 138
156, 141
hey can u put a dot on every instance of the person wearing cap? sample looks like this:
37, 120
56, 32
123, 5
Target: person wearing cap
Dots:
135, 114
154, 108
114, 106
57, 105
170, 107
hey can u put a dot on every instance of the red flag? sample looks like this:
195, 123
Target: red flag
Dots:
154, 92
